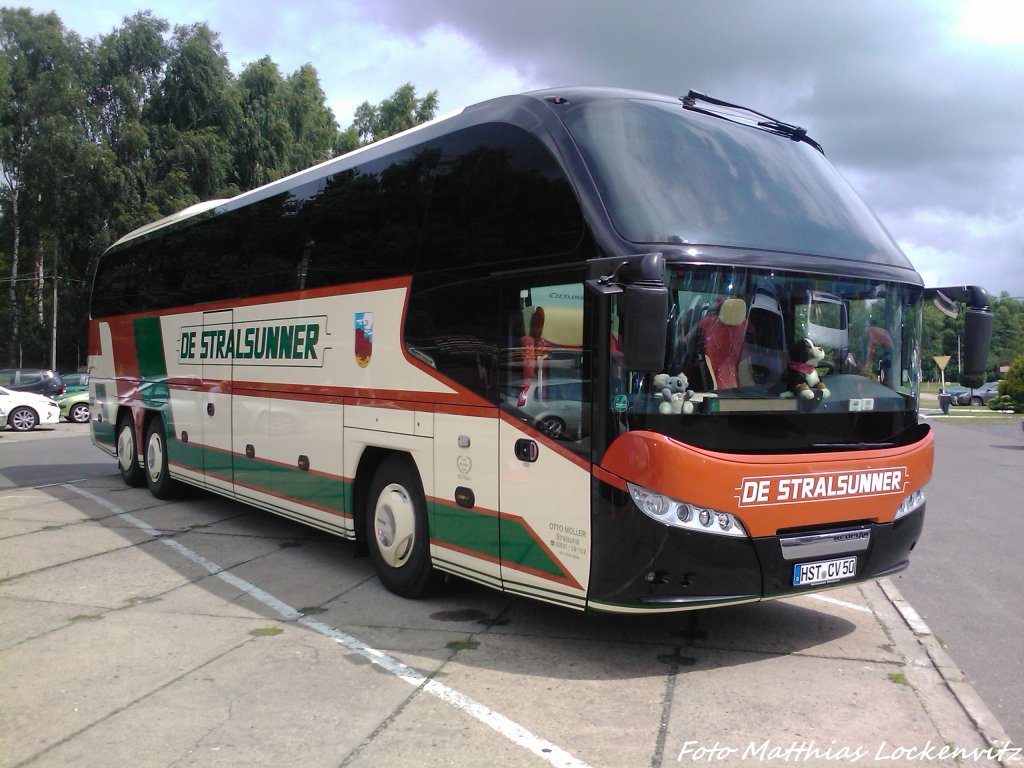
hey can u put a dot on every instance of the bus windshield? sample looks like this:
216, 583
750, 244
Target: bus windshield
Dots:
667, 175
775, 361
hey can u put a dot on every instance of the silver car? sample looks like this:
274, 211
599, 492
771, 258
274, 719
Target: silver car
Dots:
978, 396
554, 406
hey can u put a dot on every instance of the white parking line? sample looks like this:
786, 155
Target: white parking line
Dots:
843, 603
511, 730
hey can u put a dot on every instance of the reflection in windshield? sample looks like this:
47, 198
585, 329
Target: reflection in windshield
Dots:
755, 341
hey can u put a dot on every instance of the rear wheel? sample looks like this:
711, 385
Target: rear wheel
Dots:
79, 413
128, 454
22, 419
976, 401
397, 528
157, 477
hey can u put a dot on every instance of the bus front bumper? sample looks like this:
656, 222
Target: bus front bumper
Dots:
640, 564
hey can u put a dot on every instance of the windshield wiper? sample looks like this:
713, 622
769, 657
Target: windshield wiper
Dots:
770, 124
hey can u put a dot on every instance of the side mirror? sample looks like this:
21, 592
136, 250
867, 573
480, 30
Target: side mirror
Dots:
977, 326
644, 327
977, 337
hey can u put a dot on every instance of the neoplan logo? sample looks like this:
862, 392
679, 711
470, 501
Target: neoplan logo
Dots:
296, 341
821, 486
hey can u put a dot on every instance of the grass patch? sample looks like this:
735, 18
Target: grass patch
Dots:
462, 645
266, 632
310, 610
899, 678
86, 617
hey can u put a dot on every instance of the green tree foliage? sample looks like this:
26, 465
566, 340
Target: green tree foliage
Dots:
191, 115
314, 129
98, 137
1011, 389
43, 120
401, 111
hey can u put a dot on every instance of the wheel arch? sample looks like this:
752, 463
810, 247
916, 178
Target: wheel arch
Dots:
371, 456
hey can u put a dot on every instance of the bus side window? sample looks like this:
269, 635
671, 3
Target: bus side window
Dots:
544, 364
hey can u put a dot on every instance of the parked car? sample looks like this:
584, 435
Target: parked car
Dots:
955, 392
27, 410
74, 406
3, 418
979, 396
37, 380
75, 382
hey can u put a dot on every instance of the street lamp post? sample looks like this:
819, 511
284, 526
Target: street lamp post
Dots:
53, 333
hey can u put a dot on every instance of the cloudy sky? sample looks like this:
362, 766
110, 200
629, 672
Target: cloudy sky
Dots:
917, 102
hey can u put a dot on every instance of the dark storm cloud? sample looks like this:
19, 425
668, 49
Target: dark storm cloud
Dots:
921, 120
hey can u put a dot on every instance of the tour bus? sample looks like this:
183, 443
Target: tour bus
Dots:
562, 344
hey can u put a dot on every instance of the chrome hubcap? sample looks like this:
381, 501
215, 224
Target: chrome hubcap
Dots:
155, 457
394, 525
23, 420
125, 448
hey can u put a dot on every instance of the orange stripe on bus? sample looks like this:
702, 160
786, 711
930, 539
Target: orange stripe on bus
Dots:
818, 488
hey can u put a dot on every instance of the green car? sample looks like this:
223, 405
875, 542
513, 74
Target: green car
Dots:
75, 382
74, 406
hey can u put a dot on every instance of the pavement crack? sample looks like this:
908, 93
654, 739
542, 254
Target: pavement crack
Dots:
658, 758
382, 727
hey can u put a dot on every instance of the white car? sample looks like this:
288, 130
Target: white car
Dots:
26, 410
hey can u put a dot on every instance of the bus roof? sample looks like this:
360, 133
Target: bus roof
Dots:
575, 93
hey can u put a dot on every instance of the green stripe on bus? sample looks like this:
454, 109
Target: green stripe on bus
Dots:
519, 546
475, 533
329, 493
464, 529
149, 348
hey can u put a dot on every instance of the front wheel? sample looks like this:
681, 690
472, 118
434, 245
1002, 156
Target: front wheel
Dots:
22, 419
157, 477
976, 401
397, 528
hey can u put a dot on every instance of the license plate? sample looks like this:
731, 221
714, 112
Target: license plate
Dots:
824, 571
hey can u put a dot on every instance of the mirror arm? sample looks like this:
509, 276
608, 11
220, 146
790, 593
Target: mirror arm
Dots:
974, 296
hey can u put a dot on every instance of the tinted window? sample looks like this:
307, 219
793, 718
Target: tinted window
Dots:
498, 196
671, 176
544, 362
251, 251
499, 201
365, 222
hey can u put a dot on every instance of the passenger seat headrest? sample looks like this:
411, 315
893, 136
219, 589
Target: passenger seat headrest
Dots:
733, 312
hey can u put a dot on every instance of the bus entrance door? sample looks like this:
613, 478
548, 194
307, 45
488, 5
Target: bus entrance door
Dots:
544, 518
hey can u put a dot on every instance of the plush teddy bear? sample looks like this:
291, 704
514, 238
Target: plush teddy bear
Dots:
675, 394
802, 376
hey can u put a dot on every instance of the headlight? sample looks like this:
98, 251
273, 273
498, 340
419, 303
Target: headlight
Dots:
681, 514
913, 502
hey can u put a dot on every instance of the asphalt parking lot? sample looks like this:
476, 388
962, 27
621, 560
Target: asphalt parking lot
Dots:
201, 632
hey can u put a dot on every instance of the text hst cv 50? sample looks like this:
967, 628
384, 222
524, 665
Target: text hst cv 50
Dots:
611, 350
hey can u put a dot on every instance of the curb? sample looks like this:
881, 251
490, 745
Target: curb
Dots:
953, 677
